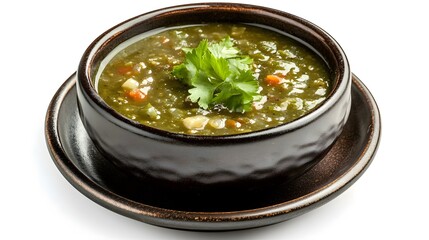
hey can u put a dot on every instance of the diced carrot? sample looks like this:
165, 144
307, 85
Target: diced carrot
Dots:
273, 79
137, 95
124, 69
232, 123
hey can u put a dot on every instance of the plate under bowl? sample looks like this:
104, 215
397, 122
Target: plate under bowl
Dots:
86, 169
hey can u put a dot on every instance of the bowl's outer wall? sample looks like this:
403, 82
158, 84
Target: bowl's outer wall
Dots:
208, 162
286, 155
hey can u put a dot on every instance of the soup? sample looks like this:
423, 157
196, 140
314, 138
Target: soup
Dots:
141, 82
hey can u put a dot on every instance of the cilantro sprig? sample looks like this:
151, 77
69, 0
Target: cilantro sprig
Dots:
218, 75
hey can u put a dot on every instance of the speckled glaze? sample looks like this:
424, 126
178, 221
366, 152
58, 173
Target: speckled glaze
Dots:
215, 164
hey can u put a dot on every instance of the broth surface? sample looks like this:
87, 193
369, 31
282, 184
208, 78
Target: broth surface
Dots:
304, 80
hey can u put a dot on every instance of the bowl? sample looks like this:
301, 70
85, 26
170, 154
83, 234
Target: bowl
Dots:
234, 164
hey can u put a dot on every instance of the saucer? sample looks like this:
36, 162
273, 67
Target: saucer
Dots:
89, 172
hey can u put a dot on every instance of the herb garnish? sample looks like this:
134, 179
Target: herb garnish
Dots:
218, 75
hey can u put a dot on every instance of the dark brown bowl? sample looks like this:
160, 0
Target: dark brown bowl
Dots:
223, 164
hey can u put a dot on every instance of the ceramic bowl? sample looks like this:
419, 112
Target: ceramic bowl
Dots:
235, 163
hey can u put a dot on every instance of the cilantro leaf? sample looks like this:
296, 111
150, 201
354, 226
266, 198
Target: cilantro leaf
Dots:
202, 91
224, 49
238, 92
242, 64
217, 74
247, 83
220, 67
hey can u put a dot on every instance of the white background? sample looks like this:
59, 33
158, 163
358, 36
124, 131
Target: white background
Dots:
387, 45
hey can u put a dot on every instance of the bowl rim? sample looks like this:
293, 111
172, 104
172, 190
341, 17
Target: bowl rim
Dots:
84, 80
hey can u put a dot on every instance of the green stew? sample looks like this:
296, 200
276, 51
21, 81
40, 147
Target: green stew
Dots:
249, 78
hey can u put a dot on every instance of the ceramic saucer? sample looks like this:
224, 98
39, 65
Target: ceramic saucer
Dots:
88, 171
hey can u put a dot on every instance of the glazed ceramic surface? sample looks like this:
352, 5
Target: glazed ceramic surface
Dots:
86, 168
205, 165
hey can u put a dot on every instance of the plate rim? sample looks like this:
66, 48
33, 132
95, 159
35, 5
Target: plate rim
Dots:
231, 220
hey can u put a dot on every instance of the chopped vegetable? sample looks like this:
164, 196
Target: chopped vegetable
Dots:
130, 84
218, 75
137, 95
217, 122
196, 122
151, 112
125, 69
232, 123
273, 80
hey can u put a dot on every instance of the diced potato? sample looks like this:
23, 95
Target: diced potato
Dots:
198, 122
217, 122
130, 84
